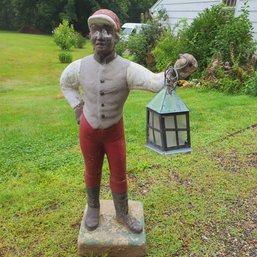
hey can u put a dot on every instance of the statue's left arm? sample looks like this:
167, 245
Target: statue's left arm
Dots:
138, 77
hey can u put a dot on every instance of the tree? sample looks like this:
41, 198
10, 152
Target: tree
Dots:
6, 15
45, 15
137, 7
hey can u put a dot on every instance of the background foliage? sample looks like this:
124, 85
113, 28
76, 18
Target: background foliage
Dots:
45, 15
64, 35
140, 45
214, 31
222, 44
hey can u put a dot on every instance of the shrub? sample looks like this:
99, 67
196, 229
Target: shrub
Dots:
142, 44
65, 57
64, 35
121, 47
80, 41
234, 40
214, 31
228, 85
222, 45
137, 46
250, 86
201, 34
170, 46
196, 38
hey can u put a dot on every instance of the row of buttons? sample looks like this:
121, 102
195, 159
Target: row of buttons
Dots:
102, 93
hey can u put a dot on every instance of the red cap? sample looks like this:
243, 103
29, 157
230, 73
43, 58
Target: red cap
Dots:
105, 16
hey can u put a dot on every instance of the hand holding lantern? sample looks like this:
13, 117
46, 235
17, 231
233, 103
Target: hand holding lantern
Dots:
184, 66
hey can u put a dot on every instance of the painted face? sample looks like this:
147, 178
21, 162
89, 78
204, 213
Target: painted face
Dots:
103, 39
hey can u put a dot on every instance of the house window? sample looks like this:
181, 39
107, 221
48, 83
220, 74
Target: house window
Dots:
231, 3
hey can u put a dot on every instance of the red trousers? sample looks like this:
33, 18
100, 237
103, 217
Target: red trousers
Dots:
95, 143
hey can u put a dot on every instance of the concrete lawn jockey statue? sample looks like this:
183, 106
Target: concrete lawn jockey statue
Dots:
97, 87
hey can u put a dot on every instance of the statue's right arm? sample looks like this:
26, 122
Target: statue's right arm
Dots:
69, 83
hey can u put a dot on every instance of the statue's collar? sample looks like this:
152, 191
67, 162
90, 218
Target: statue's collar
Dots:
105, 59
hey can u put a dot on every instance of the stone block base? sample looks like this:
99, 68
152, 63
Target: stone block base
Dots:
111, 238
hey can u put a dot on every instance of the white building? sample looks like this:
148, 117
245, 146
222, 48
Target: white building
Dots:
189, 9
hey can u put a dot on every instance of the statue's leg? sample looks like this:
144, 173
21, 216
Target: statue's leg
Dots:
115, 149
93, 208
122, 214
93, 153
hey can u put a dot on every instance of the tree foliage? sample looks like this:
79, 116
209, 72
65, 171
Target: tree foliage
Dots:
141, 45
215, 31
45, 15
223, 46
64, 36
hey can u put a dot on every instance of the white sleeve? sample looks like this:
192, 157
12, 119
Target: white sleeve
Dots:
138, 77
69, 83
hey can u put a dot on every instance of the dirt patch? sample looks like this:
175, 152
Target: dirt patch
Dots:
252, 160
233, 162
174, 176
244, 242
8, 251
76, 225
143, 186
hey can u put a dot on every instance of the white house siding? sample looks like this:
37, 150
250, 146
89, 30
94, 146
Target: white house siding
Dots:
189, 9
253, 13
179, 9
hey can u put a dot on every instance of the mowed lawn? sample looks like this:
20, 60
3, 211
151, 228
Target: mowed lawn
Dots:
199, 204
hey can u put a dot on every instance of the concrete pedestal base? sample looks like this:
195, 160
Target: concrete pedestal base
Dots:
111, 237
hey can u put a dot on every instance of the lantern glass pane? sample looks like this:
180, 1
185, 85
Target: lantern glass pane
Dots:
182, 137
171, 138
181, 120
151, 135
169, 122
150, 118
158, 140
156, 121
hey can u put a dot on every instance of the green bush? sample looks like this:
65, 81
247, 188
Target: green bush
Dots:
64, 35
137, 46
170, 46
198, 38
234, 40
80, 41
65, 57
214, 31
142, 44
250, 86
229, 85
222, 44
121, 47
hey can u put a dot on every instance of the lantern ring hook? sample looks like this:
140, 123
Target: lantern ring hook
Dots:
171, 75
170, 78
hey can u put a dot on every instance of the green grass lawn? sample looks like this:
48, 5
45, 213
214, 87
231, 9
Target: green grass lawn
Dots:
199, 204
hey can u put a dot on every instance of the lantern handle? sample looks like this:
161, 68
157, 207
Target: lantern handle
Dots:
170, 78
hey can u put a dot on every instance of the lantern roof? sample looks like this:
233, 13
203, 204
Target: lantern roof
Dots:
165, 102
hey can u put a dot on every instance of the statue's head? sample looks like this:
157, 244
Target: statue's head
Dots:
104, 28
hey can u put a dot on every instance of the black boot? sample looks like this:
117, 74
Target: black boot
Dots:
122, 215
93, 208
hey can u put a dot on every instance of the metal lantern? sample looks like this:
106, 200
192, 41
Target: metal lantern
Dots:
168, 128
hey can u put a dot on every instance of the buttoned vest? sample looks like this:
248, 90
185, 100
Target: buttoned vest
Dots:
104, 89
